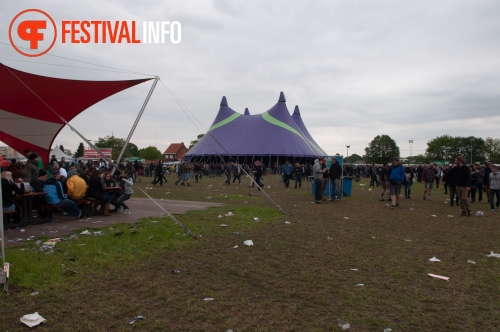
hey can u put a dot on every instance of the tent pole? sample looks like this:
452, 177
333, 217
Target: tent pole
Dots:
137, 121
2, 237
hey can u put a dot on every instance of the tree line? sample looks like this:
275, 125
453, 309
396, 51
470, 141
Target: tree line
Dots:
443, 148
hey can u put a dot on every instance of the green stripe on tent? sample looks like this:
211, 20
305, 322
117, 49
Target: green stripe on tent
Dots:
283, 125
278, 123
225, 121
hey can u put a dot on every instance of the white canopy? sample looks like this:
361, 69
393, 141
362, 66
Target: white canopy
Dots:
59, 154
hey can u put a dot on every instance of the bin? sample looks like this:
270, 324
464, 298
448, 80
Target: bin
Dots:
347, 186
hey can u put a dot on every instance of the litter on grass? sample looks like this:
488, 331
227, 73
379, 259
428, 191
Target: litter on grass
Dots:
471, 262
359, 285
236, 246
248, 243
492, 254
135, 319
229, 214
220, 216
479, 213
208, 299
287, 222
222, 225
256, 219
438, 276
433, 215
32, 319
353, 269
347, 218
434, 259
345, 326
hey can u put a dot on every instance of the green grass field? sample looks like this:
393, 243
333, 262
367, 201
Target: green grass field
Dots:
303, 272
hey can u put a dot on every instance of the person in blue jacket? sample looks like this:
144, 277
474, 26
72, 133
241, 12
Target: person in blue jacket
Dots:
55, 195
396, 178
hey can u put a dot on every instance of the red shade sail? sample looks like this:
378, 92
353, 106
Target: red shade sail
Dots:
31, 106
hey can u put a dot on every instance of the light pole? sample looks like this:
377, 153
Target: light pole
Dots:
347, 146
411, 142
471, 152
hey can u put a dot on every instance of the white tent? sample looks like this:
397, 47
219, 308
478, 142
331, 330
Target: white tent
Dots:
59, 154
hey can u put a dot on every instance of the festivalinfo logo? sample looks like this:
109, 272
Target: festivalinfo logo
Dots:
36, 31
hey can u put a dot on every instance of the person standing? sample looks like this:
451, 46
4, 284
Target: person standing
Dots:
318, 172
158, 174
237, 173
287, 172
494, 185
227, 172
480, 180
384, 182
437, 175
463, 182
257, 171
428, 175
32, 166
335, 175
487, 171
396, 178
408, 182
475, 178
450, 177
297, 171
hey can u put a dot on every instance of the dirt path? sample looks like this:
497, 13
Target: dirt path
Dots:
64, 225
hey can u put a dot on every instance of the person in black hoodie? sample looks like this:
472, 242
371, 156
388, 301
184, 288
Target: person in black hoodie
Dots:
450, 178
463, 182
9, 187
335, 175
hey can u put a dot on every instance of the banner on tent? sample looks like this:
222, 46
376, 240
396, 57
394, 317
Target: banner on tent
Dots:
93, 154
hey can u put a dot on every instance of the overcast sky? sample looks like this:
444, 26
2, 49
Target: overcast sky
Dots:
413, 70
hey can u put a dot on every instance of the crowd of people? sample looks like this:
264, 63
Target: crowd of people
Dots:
66, 184
465, 184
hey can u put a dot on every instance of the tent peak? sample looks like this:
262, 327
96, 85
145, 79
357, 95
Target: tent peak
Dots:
223, 102
247, 112
296, 110
282, 97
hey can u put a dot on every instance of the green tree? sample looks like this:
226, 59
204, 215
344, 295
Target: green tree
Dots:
419, 159
150, 153
472, 149
442, 148
492, 149
115, 143
447, 148
133, 149
381, 150
352, 158
79, 151
193, 143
